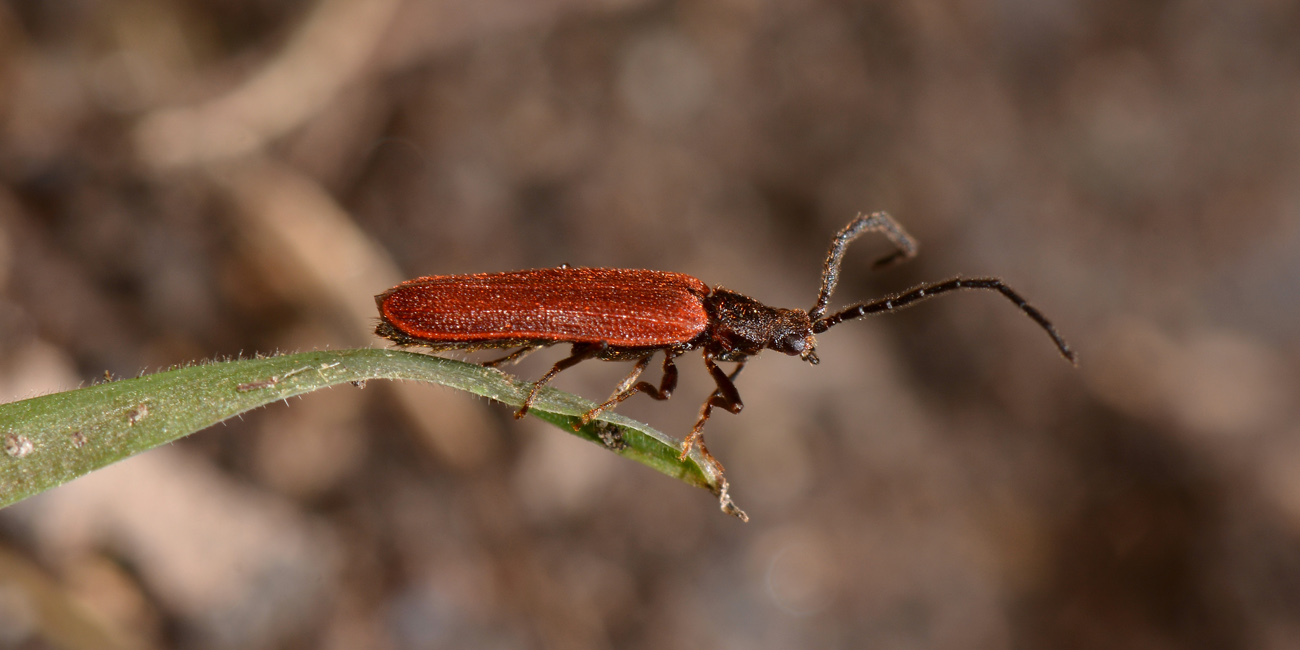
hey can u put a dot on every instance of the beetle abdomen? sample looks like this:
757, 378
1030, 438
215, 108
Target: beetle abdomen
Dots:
620, 307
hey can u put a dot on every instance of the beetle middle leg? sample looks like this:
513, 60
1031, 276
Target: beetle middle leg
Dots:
630, 386
725, 396
580, 352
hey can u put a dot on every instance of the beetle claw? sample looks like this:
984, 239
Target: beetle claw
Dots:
696, 439
691, 440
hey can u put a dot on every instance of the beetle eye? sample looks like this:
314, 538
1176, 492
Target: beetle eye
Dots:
790, 345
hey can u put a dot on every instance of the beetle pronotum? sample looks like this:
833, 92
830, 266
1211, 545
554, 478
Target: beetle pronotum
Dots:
630, 315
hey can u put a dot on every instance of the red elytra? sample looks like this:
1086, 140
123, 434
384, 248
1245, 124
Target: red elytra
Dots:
620, 307
630, 315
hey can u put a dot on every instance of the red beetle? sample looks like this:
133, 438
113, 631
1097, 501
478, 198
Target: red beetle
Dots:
629, 315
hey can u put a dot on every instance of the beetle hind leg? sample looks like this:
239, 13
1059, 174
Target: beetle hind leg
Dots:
630, 386
581, 352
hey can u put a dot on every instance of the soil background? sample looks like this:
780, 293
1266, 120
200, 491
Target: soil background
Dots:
202, 179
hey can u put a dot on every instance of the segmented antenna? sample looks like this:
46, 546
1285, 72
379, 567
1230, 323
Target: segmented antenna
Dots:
926, 291
879, 222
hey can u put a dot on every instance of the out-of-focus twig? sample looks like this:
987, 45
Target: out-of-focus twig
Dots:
295, 225
291, 221
330, 48
37, 607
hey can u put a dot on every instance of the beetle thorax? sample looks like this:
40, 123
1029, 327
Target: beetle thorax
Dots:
741, 326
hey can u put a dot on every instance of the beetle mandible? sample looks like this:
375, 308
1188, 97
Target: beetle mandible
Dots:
630, 315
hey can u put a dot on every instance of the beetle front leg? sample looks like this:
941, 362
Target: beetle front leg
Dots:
630, 386
580, 352
725, 396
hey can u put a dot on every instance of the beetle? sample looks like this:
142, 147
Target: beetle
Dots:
630, 315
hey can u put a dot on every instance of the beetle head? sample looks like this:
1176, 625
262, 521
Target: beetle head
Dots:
792, 333
742, 326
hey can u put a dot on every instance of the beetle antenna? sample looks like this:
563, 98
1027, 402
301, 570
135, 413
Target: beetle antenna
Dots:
879, 222
926, 291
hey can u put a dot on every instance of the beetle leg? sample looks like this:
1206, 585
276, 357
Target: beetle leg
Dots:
725, 396
666, 384
630, 386
512, 357
625, 389
580, 352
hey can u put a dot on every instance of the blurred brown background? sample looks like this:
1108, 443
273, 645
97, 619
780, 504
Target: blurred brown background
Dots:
188, 180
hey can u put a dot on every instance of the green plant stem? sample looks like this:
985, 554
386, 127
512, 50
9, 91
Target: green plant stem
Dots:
53, 439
